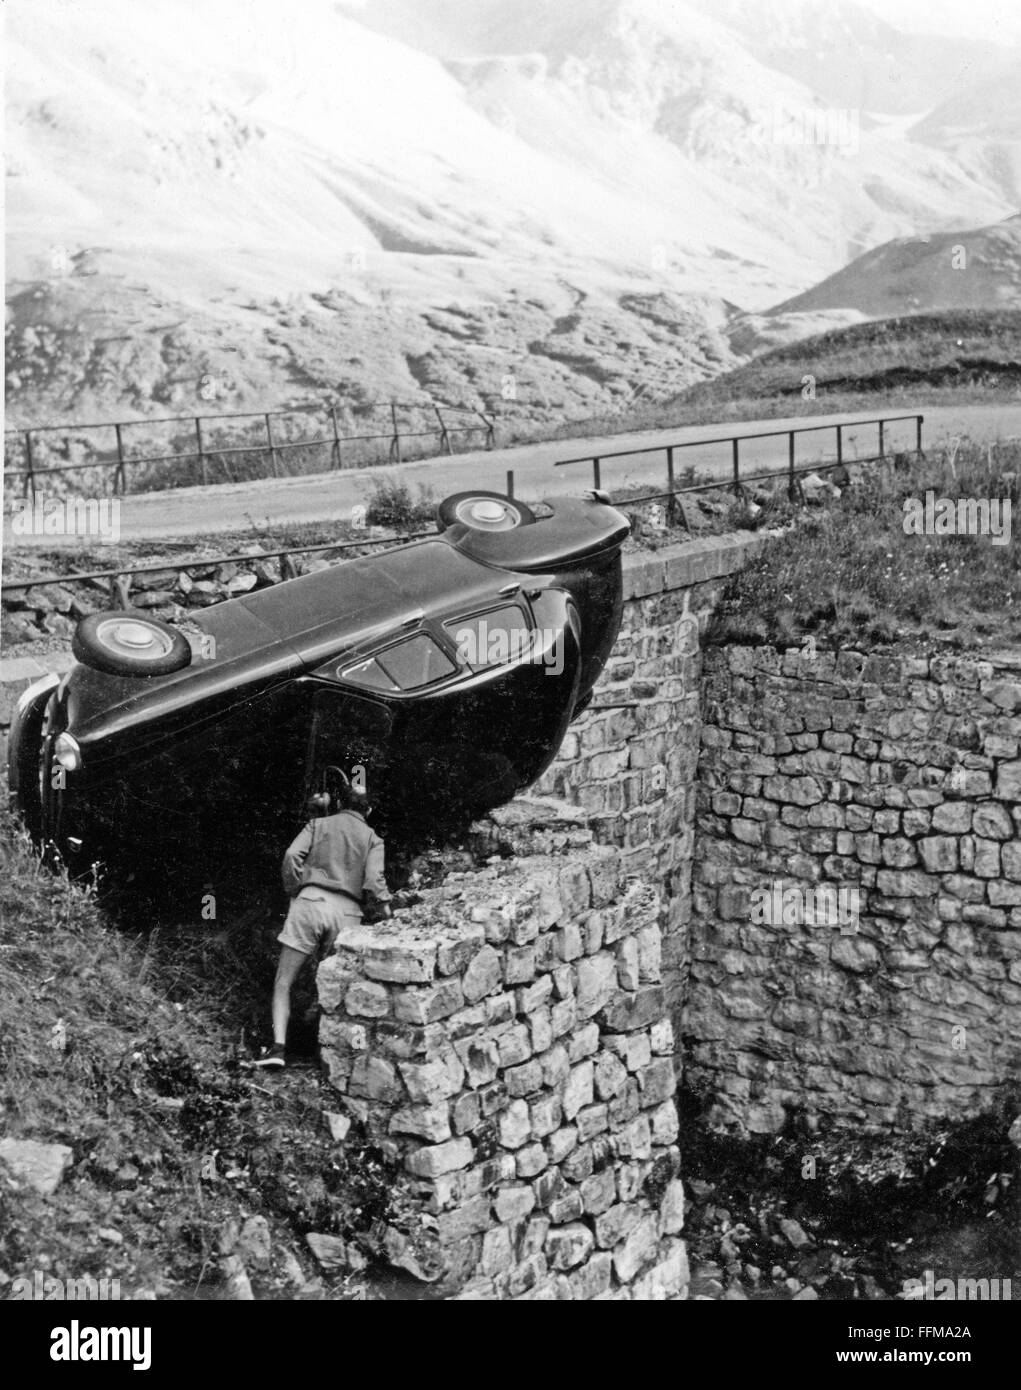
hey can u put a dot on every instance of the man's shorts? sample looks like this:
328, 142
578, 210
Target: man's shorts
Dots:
316, 917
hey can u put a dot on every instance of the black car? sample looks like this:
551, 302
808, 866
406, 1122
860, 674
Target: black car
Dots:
440, 675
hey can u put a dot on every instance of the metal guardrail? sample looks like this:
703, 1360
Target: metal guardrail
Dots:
734, 440
272, 447
118, 574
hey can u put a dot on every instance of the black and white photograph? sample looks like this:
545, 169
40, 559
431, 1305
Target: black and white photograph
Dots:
510, 685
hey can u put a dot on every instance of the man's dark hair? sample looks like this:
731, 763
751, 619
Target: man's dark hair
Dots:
343, 795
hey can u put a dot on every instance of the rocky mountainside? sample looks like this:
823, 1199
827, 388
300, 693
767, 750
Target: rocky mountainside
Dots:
542, 209
976, 269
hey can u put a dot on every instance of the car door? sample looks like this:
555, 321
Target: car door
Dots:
348, 735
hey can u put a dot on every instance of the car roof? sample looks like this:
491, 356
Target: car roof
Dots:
342, 604
281, 631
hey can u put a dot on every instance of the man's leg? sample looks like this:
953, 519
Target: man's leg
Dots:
289, 965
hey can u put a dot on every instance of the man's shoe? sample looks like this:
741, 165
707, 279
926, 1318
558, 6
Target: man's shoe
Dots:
271, 1057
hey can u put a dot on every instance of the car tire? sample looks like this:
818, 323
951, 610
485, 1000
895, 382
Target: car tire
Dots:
483, 511
24, 760
130, 644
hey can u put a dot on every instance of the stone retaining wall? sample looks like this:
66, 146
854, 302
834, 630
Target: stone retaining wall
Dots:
633, 770
900, 778
505, 1043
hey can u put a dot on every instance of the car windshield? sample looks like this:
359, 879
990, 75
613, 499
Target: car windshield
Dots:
491, 639
407, 666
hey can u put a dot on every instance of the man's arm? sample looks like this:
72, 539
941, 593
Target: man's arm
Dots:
294, 858
374, 882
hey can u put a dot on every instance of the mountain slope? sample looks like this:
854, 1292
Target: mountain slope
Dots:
533, 208
892, 362
947, 270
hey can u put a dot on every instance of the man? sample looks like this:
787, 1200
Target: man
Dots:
329, 872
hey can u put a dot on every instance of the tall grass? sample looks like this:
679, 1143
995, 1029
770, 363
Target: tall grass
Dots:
849, 573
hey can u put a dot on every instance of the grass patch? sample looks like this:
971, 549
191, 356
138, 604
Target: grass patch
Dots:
124, 1047
887, 362
849, 574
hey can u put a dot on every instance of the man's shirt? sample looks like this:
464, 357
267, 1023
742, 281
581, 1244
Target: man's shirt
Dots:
340, 852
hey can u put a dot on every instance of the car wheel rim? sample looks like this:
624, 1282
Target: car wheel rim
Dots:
488, 514
134, 638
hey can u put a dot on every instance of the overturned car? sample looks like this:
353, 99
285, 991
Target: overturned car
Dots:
440, 676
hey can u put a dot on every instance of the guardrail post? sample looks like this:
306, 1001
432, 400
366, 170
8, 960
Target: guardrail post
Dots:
395, 443
120, 590
444, 436
510, 482
490, 434
272, 447
840, 444
202, 456
119, 477
918, 427
670, 481
30, 467
735, 448
336, 435
792, 477
882, 446
595, 474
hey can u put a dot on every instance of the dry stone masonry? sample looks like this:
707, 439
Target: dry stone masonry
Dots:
899, 777
633, 770
505, 1041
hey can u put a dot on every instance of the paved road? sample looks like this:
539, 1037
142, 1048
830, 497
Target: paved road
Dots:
331, 496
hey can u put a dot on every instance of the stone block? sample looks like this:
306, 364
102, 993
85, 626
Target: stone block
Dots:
583, 1042
578, 1089
430, 1122
598, 1192
480, 1059
513, 1203
657, 1082
531, 1160
561, 1143
546, 1115
568, 1246
524, 1080
514, 1045
374, 1078
638, 1250
610, 1075
592, 1278
515, 1125
436, 1080
596, 983
627, 1012
429, 1003
483, 976
519, 965
433, 1160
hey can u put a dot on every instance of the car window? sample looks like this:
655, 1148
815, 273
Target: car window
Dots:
490, 639
418, 661
370, 675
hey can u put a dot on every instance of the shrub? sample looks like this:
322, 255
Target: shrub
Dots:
392, 504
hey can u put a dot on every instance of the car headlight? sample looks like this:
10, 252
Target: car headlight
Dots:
67, 753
